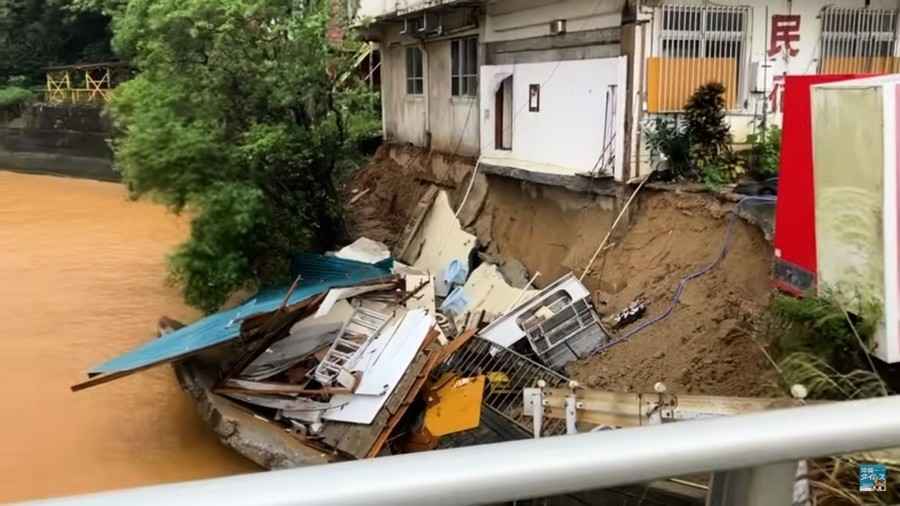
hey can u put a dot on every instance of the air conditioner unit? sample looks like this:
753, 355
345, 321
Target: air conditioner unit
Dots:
558, 27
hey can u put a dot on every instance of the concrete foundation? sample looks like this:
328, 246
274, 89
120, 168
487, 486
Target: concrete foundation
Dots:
57, 139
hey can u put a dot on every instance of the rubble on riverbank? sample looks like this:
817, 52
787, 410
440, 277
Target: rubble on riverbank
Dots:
378, 350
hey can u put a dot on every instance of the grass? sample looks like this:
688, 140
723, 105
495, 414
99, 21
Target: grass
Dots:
824, 382
819, 344
12, 96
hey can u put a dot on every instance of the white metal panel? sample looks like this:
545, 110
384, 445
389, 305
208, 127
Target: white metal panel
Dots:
855, 161
337, 294
440, 240
382, 364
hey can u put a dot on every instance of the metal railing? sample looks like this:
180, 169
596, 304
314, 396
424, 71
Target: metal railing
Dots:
858, 41
83, 84
698, 44
507, 373
550, 466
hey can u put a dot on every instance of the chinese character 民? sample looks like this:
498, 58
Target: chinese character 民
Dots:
785, 31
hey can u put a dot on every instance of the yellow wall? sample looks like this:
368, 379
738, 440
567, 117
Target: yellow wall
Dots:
671, 81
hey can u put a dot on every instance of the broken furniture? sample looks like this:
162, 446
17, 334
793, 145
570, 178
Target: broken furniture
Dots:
363, 325
560, 323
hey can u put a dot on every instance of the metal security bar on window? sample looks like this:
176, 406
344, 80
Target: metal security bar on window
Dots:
698, 44
464, 67
858, 41
508, 373
415, 80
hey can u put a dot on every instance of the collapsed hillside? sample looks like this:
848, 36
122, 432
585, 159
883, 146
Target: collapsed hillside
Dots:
704, 346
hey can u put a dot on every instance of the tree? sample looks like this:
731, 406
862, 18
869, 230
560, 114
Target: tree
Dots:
39, 33
710, 134
243, 113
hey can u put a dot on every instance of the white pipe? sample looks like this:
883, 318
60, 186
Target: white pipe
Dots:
426, 83
547, 466
471, 180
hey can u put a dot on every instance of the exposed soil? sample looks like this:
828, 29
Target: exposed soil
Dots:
703, 347
392, 195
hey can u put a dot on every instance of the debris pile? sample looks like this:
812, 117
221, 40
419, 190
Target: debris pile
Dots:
370, 352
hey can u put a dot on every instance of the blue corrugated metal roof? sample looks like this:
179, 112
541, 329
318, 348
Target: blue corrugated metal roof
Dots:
318, 275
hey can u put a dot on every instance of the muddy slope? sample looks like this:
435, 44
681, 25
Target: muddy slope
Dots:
705, 345
702, 347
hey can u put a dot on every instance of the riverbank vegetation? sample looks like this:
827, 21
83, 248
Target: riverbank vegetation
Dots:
38, 33
13, 96
244, 113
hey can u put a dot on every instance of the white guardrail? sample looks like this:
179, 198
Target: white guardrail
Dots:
549, 466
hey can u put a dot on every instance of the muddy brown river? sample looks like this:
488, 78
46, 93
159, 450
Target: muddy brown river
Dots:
82, 278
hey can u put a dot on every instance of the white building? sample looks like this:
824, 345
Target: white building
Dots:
560, 87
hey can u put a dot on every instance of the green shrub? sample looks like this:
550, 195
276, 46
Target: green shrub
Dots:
765, 155
12, 96
710, 134
668, 138
705, 116
697, 147
819, 326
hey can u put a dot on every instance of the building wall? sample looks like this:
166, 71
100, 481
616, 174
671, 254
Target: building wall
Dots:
453, 122
762, 74
566, 135
523, 19
403, 115
511, 32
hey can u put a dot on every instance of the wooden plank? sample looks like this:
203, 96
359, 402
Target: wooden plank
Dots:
456, 344
599, 419
628, 410
412, 228
729, 405
254, 387
275, 328
433, 360
358, 440
359, 196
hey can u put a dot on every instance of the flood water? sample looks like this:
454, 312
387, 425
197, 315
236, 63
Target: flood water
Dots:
82, 278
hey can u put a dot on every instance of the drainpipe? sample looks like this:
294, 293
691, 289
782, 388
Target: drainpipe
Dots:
426, 88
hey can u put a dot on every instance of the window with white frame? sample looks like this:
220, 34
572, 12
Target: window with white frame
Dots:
464, 67
415, 78
850, 37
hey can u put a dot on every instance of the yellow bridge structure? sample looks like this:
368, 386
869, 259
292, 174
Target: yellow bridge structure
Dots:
90, 83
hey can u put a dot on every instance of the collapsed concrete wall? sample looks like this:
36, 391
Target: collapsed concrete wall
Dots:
60, 139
